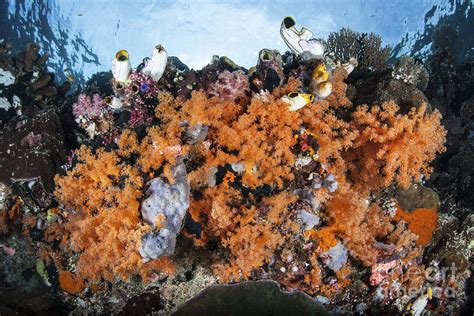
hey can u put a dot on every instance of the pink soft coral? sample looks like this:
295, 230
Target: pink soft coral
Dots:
87, 107
230, 85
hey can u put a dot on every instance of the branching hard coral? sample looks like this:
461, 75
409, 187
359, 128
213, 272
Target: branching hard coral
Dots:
412, 72
366, 48
371, 53
393, 147
344, 44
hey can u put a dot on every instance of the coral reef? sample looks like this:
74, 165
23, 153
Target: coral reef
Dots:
188, 178
246, 208
411, 71
366, 48
230, 85
380, 150
105, 206
92, 114
26, 84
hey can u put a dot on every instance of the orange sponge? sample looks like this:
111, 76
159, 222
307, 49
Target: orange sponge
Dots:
70, 283
422, 222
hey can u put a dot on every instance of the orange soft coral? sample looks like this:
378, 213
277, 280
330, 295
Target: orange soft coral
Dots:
260, 138
364, 149
251, 236
251, 246
106, 225
356, 223
263, 138
103, 195
393, 147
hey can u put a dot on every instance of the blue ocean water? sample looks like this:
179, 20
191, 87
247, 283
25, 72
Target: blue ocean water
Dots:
83, 35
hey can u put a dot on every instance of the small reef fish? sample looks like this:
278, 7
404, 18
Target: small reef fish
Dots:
323, 89
320, 73
320, 85
69, 76
297, 100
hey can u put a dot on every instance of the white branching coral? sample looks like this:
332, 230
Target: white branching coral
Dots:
412, 72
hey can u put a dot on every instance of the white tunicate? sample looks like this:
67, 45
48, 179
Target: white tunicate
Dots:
238, 167
211, 177
335, 257
16, 102
309, 220
156, 65
312, 49
308, 196
197, 133
6, 77
4, 104
330, 183
172, 202
121, 68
